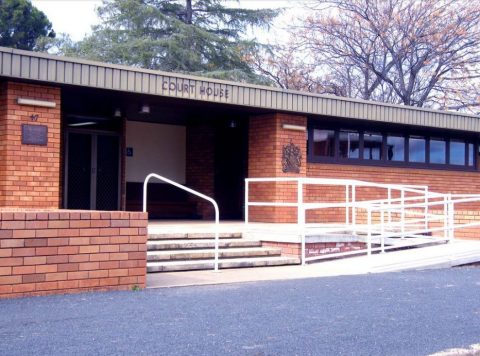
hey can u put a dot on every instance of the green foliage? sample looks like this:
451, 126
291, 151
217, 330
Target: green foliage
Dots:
21, 24
202, 37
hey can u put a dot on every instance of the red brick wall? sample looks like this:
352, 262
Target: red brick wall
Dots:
461, 217
441, 181
200, 170
29, 175
267, 138
315, 249
62, 251
467, 217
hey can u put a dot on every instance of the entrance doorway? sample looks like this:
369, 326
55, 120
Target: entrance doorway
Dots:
231, 167
92, 170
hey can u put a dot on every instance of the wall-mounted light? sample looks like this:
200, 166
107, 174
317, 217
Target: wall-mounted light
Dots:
33, 102
144, 109
232, 124
294, 127
117, 113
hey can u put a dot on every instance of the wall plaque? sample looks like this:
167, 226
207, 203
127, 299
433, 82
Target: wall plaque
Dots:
291, 159
34, 135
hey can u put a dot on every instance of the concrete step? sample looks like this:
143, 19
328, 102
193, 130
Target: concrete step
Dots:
209, 253
191, 235
179, 244
172, 266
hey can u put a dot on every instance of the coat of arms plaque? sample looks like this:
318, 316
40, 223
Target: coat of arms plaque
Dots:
291, 158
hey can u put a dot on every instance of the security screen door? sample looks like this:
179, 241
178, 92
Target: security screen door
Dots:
92, 171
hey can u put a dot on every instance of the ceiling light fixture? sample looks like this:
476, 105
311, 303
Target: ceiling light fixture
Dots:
82, 124
232, 124
144, 109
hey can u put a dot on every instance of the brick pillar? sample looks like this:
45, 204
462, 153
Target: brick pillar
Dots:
267, 138
29, 174
200, 170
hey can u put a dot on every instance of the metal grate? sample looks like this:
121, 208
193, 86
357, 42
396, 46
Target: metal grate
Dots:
79, 170
107, 172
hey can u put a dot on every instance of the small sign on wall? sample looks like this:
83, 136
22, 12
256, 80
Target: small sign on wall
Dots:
129, 151
34, 135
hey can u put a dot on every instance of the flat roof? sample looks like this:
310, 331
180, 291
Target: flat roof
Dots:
45, 68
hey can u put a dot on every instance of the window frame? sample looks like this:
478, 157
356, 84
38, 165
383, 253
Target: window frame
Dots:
386, 131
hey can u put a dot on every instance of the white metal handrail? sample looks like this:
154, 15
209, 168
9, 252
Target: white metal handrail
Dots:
404, 214
191, 191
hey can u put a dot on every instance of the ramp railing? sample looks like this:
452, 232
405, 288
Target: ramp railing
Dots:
410, 215
191, 191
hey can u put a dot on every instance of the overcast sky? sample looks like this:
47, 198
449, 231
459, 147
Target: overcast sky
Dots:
76, 17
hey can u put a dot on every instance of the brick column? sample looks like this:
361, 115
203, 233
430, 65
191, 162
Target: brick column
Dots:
200, 170
29, 174
267, 139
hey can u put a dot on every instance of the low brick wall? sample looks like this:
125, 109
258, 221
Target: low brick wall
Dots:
62, 251
292, 249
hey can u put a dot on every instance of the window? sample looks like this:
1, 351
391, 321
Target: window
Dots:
395, 148
372, 146
457, 153
324, 143
349, 144
438, 151
417, 149
471, 157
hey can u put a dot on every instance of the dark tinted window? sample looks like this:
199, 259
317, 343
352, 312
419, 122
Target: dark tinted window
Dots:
416, 149
438, 151
367, 147
395, 148
349, 144
372, 146
457, 152
324, 143
471, 152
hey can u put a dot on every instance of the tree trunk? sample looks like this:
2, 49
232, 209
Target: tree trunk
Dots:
188, 12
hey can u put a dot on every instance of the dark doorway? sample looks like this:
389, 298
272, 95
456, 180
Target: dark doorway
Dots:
231, 165
92, 171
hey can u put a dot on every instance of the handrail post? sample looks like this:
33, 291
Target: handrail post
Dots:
217, 233
145, 185
451, 218
301, 217
402, 214
382, 228
247, 183
354, 218
445, 218
369, 230
389, 204
347, 208
426, 208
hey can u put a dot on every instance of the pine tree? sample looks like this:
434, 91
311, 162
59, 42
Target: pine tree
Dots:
21, 24
191, 36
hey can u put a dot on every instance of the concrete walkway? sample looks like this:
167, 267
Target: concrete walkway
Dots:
456, 253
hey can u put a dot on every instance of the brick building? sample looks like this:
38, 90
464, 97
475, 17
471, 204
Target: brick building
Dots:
80, 135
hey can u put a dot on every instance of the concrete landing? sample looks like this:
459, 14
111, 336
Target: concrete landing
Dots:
452, 254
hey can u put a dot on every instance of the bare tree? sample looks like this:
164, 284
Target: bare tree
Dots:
282, 65
414, 52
